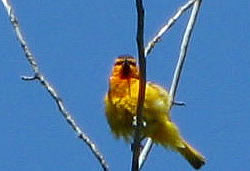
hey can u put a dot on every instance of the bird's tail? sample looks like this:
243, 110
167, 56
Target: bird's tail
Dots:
191, 155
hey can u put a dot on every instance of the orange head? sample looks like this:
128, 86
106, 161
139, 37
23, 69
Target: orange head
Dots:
125, 68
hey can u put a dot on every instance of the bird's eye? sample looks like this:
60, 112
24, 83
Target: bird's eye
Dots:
132, 63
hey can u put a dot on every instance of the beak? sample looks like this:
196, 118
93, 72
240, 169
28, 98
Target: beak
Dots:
125, 68
126, 63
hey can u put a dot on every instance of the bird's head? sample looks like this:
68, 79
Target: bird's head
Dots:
125, 67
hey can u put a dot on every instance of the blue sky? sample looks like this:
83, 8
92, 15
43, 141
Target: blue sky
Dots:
75, 43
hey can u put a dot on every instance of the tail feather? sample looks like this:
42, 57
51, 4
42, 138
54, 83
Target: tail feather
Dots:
192, 156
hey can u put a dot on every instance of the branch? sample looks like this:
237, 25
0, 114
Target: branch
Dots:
184, 47
142, 83
151, 44
179, 66
44, 82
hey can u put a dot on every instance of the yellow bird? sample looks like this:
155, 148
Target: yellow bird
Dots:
121, 103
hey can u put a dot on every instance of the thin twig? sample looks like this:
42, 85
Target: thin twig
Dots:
44, 82
142, 83
151, 44
179, 66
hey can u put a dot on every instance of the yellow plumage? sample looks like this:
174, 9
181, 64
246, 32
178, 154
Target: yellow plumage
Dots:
121, 104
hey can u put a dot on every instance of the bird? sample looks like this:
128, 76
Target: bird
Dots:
120, 109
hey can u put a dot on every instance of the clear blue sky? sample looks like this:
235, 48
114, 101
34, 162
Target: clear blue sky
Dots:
75, 43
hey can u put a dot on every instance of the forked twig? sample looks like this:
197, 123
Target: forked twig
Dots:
151, 44
179, 66
44, 82
183, 49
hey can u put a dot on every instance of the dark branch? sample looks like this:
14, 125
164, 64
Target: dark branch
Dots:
142, 83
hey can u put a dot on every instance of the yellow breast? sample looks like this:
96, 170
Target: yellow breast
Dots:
121, 103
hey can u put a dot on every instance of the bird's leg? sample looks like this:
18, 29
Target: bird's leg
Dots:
142, 137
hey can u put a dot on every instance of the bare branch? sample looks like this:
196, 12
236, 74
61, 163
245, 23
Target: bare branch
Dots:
183, 50
151, 44
179, 66
145, 152
142, 83
44, 82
